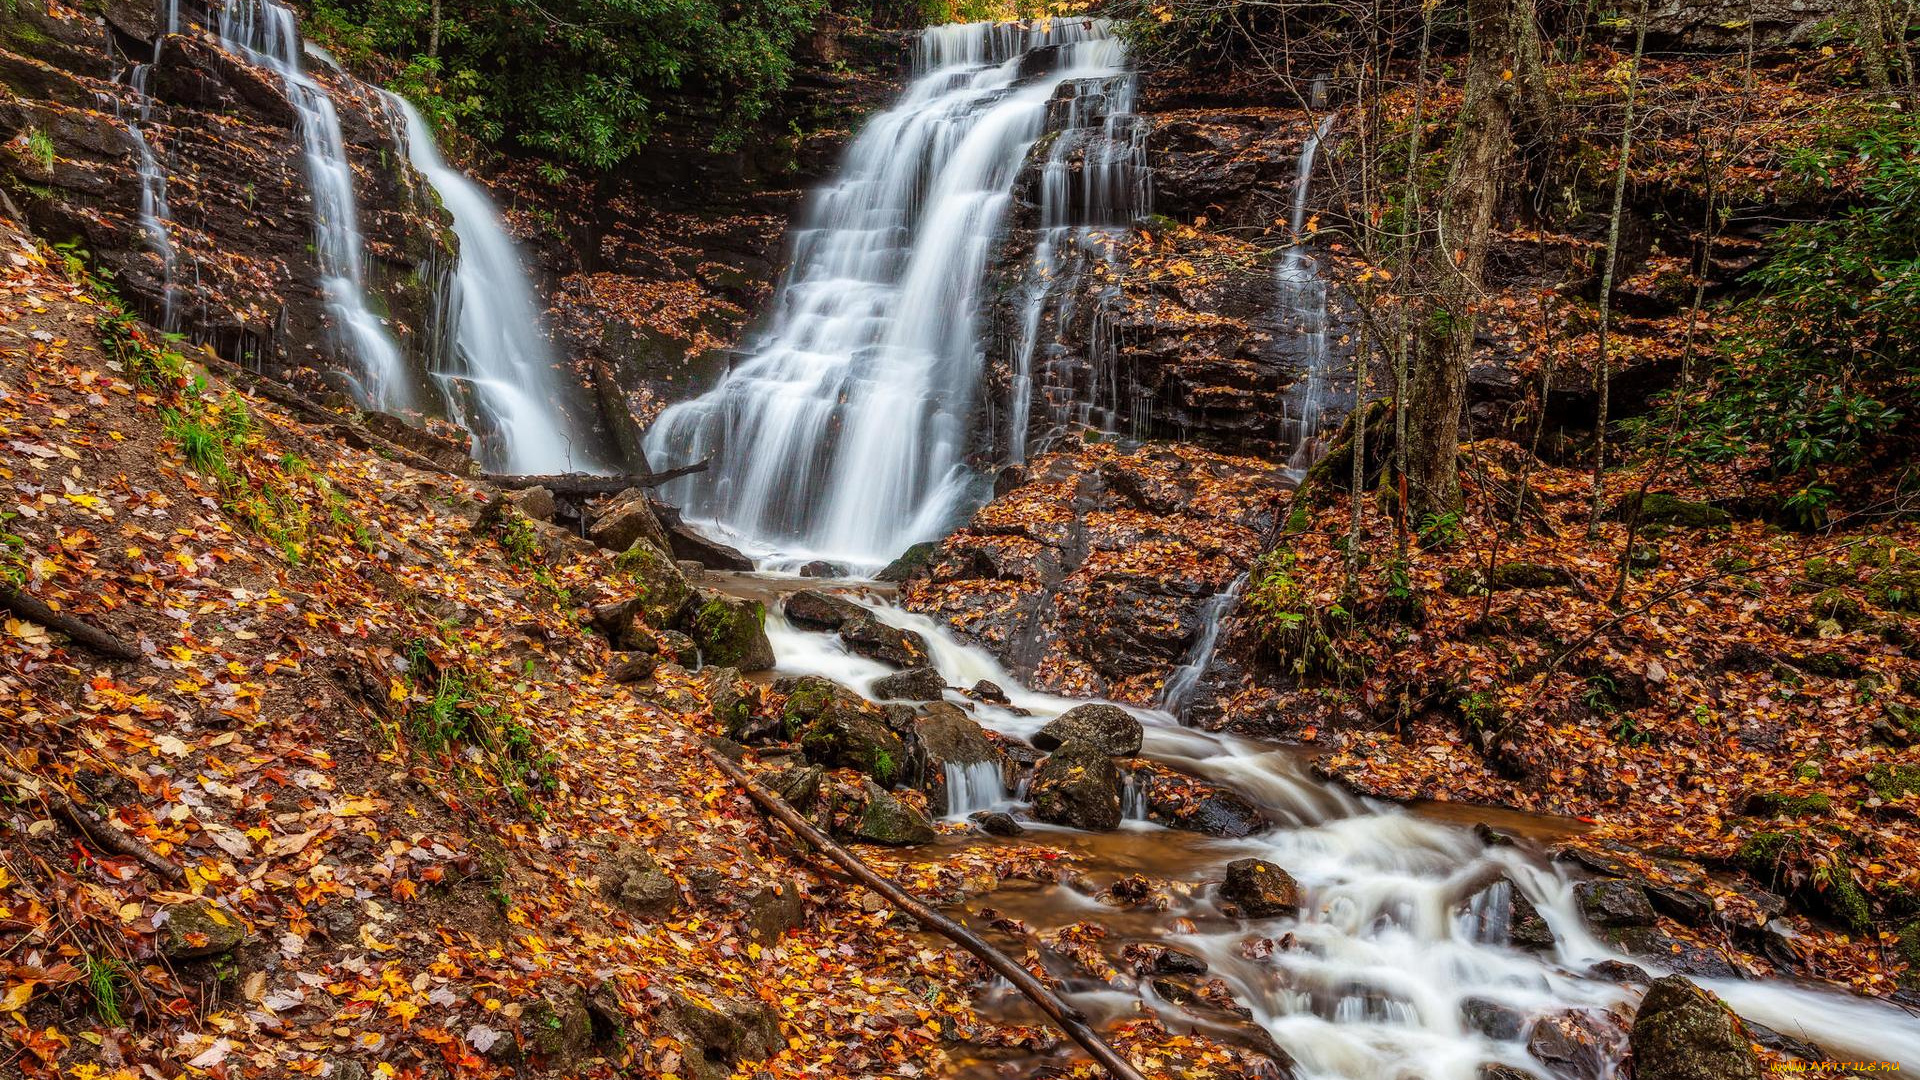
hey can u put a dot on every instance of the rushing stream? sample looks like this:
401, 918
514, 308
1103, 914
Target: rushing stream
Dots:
1369, 981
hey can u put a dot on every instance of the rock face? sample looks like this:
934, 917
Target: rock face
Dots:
1260, 889
1113, 730
1077, 785
1683, 1033
1613, 903
876, 640
1090, 574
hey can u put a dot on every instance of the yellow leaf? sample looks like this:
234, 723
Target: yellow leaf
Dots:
17, 998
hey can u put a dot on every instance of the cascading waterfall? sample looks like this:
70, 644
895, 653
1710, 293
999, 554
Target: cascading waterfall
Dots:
496, 374
1082, 226
974, 787
1178, 688
156, 220
1303, 302
1394, 935
843, 433
264, 32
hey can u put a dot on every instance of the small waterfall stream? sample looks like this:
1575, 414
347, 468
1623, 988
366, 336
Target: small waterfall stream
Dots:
1178, 688
844, 432
264, 32
1372, 979
1303, 302
496, 375
156, 220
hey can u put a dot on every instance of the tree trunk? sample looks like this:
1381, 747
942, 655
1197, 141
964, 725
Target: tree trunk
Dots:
1482, 148
433, 32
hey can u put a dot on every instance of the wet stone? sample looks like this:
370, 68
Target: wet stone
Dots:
1502, 1023
1260, 889
997, 823
1613, 903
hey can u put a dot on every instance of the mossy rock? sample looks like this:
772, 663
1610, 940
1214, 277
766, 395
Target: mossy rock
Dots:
1684, 1033
1841, 899
1908, 949
199, 929
1525, 575
1760, 854
1895, 590
663, 588
911, 563
1660, 508
730, 631
1779, 804
1891, 781
891, 820
557, 1030
1837, 607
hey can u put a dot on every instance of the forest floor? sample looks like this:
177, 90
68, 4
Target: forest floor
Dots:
418, 829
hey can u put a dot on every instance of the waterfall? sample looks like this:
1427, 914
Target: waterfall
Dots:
842, 434
978, 786
263, 32
1082, 226
1179, 685
1303, 302
497, 375
156, 220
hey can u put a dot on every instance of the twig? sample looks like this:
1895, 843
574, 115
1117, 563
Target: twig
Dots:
1070, 1019
588, 484
92, 637
102, 834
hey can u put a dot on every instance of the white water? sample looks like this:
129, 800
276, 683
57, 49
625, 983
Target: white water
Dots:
843, 433
498, 379
264, 32
979, 786
1213, 614
1303, 302
1384, 951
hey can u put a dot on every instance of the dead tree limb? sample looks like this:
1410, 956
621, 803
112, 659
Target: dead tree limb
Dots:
105, 836
1070, 1019
92, 637
587, 485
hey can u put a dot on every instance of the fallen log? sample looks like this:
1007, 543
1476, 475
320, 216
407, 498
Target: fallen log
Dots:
92, 637
588, 485
1070, 1019
101, 834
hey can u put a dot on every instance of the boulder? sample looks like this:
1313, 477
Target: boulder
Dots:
838, 728
989, 692
679, 648
736, 706
943, 736
198, 928
663, 589
712, 554
1077, 785
1677, 954
729, 631
1613, 903
822, 569
1108, 727
911, 562
1183, 802
1525, 575
922, 683
1659, 508
1501, 1023
888, 819
535, 502
633, 668
997, 823
1684, 1033
627, 519
1576, 1044
557, 1030
718, 1033
1260, 889
635, 882
774, 910
812, 609
876, 640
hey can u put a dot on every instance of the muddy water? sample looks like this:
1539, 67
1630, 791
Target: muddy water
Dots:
1369, 980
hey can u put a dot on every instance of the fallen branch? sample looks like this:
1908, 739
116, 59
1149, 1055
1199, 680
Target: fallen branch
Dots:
1070, 1019
92, 637
588, 485
103, 835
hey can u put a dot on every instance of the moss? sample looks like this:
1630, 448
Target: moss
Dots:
1524, 575
663, 588
1839, 608
1761, 853
1892, 782
1895, 590
1659, 508
1908, 949
1828, 573
1806, 770
910, 563
1776, 804
1843, 899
